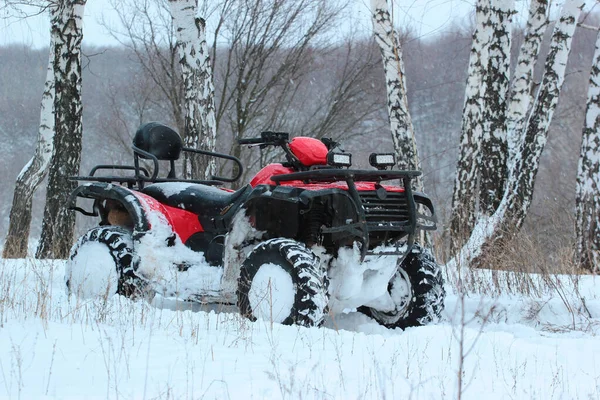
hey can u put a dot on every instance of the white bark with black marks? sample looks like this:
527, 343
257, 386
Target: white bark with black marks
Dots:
199, 103
524, 171
403, 134
588, 176
494, 139
522, 88
518, 196
33, 173
59, 223
467, 169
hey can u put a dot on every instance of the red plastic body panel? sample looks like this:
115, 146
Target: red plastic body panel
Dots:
309, 151
183, 223
263, 177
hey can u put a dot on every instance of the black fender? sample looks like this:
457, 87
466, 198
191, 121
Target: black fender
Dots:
428, 220
100, 191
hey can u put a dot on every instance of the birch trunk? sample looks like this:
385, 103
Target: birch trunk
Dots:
588, 176
522, 89
464, 197
33, 173
524, 172
517, 198
200, 122
403, 134
59, 223
494, 148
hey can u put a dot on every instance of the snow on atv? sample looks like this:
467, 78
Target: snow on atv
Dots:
304, 238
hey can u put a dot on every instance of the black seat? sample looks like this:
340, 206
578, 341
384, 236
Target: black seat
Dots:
200, 199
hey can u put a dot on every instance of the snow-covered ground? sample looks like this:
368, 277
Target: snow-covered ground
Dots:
541, 346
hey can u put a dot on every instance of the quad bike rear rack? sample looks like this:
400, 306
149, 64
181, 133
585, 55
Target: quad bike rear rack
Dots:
142, 176
362, 227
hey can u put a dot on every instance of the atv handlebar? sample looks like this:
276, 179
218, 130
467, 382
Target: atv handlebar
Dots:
251, 141
268, 138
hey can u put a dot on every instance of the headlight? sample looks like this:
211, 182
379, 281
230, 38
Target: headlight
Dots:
383, 160
339, 159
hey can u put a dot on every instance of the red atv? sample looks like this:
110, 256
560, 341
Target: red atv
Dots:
305, 237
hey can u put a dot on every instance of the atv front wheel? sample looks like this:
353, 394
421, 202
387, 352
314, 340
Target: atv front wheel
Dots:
100, 264
417, 289
282, 281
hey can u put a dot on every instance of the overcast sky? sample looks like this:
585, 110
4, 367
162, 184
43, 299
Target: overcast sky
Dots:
426, 17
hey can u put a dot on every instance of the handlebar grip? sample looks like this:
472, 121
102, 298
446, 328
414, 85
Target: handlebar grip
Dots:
251, 141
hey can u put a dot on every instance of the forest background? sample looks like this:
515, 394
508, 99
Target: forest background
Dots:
119, 94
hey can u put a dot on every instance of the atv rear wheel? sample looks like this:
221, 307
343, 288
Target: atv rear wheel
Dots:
100, 264
282, 281
417, 289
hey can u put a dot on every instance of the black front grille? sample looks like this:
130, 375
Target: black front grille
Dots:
393, 208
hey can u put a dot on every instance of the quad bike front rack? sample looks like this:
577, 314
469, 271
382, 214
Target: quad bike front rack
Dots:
362, 226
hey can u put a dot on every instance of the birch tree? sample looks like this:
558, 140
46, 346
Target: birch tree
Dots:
518, 196
492, 113
35, 170
497, 80
403, 135
522, 95
59, 223
524, 172
467, 169
587, 226
199, 103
